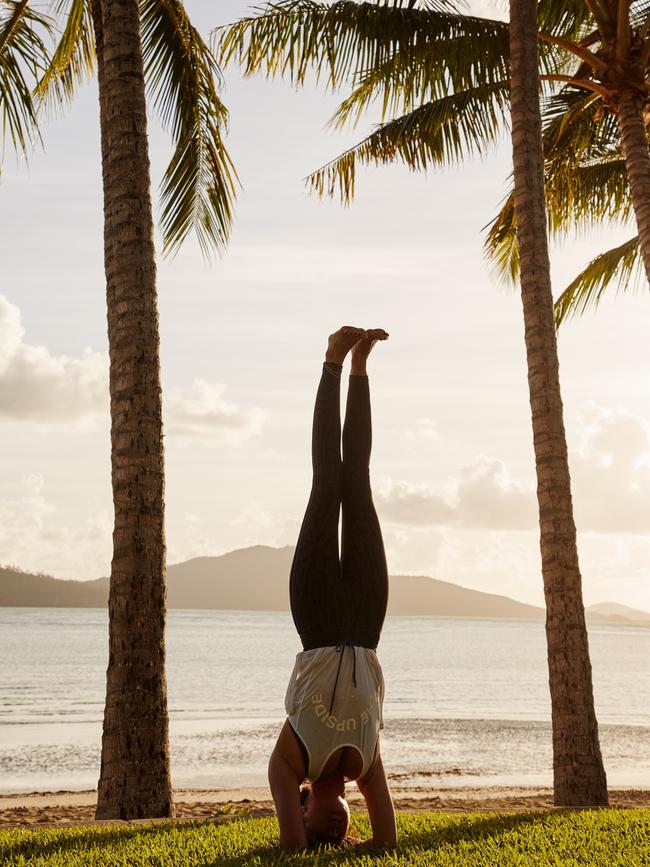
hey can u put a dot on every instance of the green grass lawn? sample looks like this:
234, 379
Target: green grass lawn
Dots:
599, 838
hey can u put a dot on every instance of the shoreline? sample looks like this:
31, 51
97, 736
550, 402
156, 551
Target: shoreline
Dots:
65, 808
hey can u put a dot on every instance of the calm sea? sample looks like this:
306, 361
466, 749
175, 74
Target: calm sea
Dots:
466, 700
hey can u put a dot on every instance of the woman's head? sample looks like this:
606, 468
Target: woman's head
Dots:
325, 814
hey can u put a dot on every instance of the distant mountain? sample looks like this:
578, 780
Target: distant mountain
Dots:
19, 588
614, 609
417, 594
256, 579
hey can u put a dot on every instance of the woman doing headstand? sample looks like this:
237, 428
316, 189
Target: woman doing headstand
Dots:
335, 695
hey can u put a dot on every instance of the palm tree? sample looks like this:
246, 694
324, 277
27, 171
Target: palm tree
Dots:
449, 76
23, 59
135, 778
579, 776
131, 41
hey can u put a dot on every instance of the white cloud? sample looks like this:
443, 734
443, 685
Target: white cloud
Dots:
614, 568
482, 496
415, 505
462, 530
261, 527
611, 471
424, 428
203, 411
610, 481
32, 538
487, 497
38, 386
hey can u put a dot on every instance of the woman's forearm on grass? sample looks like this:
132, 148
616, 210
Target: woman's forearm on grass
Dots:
374, 788
285, 789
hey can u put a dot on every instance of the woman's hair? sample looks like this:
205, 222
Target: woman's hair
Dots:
314, 839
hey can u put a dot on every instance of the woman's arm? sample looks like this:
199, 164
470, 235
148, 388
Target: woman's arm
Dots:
374, 788
284, 780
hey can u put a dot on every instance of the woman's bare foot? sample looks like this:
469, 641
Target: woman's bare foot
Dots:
342, 341
363, 348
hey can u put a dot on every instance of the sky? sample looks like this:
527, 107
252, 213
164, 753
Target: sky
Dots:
243, 337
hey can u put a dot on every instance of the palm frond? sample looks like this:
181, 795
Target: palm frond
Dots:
23, 56
475, 52
622, 263
570, 19
199, 187
405, 55
73, 61
639, 13
345, 39
589, 194
440, 132
501, 248
577, 127
583, 198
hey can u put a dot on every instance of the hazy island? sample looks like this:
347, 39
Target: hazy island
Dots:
255, 579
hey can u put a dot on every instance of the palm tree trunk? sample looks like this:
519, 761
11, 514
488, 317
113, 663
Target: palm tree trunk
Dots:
637, 162
135, 779
579, 776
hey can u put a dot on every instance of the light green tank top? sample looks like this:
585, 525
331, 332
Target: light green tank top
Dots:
335, 699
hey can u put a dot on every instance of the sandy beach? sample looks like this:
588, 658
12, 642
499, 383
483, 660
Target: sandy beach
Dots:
67, 808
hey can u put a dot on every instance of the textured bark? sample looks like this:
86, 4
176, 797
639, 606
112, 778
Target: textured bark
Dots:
637, 162
579, 776
134, 779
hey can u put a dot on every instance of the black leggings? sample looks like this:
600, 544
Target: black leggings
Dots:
332, 600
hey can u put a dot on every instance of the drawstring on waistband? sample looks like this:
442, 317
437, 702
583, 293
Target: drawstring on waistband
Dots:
340, 648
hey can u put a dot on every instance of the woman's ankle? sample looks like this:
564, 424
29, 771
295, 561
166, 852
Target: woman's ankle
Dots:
358, 370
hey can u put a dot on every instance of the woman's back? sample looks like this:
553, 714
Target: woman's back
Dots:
334, 700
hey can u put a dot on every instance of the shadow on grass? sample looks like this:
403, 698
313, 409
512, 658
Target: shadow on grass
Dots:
430, 838
463, 830
469, 830
77, 840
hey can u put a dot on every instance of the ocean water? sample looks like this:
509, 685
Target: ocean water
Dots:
466, 700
